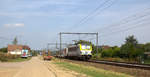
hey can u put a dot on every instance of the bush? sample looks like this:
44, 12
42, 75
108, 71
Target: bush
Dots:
96, 56
4, 50
107, 53
115, 52
5, 57
111, 52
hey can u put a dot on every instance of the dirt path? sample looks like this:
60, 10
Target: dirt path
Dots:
9, 69
33, 68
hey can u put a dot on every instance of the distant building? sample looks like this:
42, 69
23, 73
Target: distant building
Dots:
105, 47
17, 49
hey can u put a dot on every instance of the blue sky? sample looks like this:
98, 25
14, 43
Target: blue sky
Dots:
37, 22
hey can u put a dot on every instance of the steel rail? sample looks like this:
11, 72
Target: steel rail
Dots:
122, 64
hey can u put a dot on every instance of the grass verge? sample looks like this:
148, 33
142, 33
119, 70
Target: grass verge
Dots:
19, 59
89, 70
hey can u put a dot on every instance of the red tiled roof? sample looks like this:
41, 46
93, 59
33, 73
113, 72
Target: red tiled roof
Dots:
105, 47
19, 47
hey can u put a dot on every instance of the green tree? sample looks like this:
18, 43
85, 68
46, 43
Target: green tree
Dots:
107, 52
15, 41
125, 50
131, 49
116, 51
4, 50
147, 47
131, 40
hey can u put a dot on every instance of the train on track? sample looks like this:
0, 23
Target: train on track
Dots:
80, 51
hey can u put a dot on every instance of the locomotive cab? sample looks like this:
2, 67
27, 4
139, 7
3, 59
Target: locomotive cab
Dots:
86, 51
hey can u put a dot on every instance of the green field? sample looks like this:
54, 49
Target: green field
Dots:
88, 70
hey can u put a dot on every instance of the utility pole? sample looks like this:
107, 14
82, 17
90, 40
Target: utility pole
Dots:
60, 44
56, 45
47, 47
97, 42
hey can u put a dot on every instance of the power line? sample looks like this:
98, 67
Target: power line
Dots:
136, 18
129, 24
94, 13
129, 19
96, 9
99, 12
86, 18
127, 29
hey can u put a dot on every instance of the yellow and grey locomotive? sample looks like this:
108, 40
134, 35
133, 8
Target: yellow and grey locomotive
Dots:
80, 51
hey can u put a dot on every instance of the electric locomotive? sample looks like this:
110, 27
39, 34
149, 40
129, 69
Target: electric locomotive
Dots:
80, 51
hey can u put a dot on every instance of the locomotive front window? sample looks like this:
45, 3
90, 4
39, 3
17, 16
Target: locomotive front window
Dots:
85, 47
88, 47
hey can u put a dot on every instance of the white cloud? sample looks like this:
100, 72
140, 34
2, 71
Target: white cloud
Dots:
14, 25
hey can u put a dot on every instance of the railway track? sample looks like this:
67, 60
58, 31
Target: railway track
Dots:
123, 64
131, 69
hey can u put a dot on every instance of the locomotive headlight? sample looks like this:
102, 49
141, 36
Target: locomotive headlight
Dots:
82, 52
86, 52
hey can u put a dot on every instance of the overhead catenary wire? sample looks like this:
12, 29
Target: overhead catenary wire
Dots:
123, 30
128, 19
98, 13
96, 9
95, 12
136, 18
109, 30
136, 21
127, 29
103, 6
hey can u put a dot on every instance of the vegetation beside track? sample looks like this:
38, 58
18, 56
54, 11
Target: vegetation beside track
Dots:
131, 51
147, 61
88, 70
